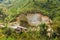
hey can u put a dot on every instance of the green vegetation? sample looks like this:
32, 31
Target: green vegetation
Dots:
10, 9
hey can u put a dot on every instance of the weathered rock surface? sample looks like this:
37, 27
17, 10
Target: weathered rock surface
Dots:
2, 26
33, 19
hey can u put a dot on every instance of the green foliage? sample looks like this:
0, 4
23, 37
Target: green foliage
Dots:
50, 8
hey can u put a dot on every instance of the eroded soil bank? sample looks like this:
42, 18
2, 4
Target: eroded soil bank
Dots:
30, 20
